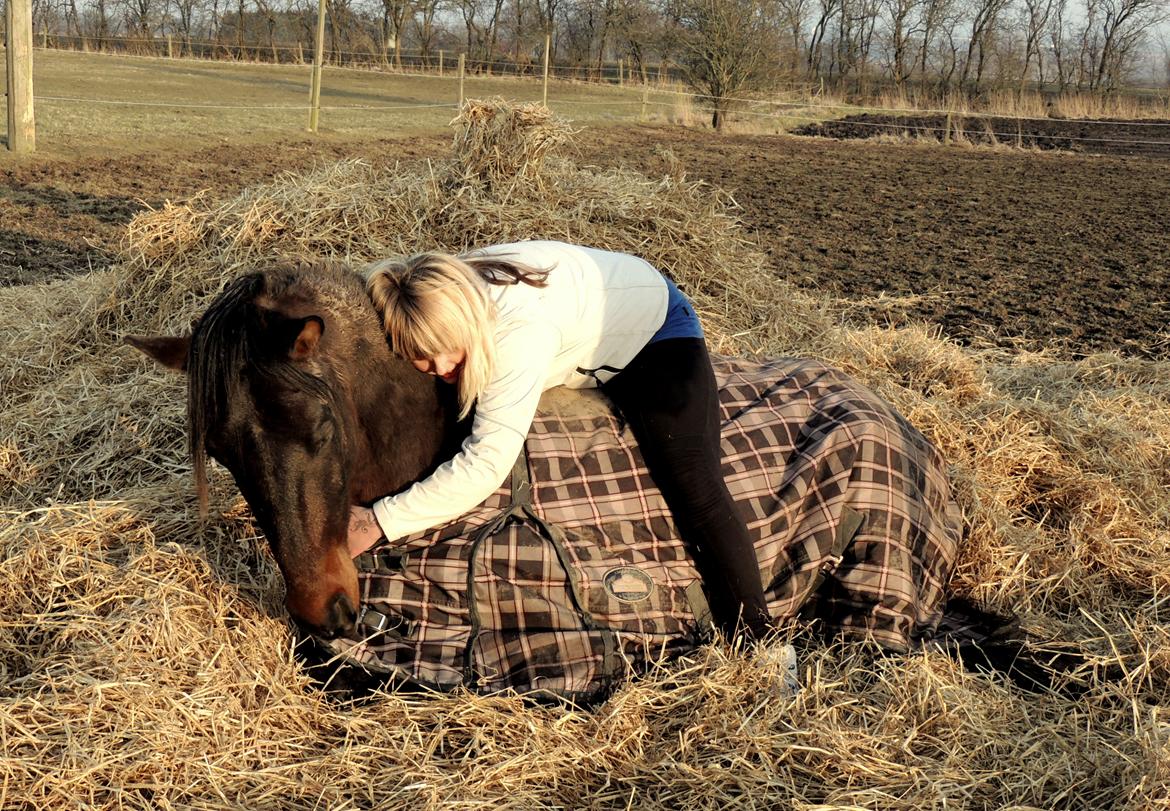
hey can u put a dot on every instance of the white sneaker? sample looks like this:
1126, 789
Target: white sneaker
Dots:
782, 660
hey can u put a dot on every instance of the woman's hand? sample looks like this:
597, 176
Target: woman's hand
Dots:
364, 531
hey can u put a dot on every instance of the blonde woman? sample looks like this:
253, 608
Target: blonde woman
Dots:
507, 322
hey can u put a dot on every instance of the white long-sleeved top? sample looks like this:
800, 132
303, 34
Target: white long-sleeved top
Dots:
595, 314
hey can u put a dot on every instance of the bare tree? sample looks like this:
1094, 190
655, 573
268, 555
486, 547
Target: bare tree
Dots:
606, 11
1124, 24
826, 11
984, 19
73, 21
904, 22
546, 12
394, 13
792, 17
1165, 43
481, 20
1058, 44
1036, 16
343, 28
42, 15
577, 30
268, 13
637, 26
947, 46
855, 25
240, 12
425, 25
1088, 44
936, 14
521, 13
183, 17
724, 48
140, 17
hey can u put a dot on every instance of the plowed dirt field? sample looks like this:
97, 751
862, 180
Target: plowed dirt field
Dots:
1009, 246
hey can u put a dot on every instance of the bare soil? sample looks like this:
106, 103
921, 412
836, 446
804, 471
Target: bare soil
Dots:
1012, 247
1141, 138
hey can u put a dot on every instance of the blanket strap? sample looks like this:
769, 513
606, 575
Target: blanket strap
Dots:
847, 529
700, 608
519, 510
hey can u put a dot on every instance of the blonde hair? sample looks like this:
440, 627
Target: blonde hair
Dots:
435, 303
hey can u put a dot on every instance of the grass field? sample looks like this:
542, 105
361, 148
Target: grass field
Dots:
92, 103
107, 103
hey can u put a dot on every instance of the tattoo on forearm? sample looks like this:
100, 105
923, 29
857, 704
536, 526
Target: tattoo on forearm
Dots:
362, 523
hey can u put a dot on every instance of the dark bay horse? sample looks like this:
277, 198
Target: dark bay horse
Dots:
293, 388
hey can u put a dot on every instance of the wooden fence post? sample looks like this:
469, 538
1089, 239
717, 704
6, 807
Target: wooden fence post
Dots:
318, 58
645, 94
21, 123
947, 130
547, 43
170, 48
462, 66
440, 63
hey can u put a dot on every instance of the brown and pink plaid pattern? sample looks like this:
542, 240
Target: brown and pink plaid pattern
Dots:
848, 504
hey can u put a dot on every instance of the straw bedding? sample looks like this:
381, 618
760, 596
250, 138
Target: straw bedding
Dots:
146, 662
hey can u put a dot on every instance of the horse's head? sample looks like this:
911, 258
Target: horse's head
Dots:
280, 369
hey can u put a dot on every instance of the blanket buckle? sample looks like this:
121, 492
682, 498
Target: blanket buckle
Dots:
377, 621
830, 564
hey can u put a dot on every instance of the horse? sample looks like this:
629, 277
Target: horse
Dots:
293, 388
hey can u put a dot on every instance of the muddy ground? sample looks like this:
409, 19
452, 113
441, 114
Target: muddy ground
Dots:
1014, 247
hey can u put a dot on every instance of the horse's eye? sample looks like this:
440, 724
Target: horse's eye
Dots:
323, 431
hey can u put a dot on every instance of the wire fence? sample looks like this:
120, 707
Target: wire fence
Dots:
794, 107
434, 61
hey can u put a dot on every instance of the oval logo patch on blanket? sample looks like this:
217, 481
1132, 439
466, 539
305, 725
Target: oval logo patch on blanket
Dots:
628, 585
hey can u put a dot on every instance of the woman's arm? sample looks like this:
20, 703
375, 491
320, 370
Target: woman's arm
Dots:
503, 416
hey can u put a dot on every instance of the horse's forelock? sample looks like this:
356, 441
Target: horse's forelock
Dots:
222, 345
218, 351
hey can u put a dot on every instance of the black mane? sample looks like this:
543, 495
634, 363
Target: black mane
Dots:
227, 339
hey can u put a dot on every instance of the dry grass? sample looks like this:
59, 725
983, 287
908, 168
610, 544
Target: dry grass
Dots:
789, 110
1031, 104
102, 103
146, 660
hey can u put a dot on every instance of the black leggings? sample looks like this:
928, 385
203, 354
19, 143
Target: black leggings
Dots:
667, 396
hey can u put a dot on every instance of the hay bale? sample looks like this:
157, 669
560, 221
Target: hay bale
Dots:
145, 658
499, 144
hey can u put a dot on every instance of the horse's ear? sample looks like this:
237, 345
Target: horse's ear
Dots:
305, 344
169, 350
296, 338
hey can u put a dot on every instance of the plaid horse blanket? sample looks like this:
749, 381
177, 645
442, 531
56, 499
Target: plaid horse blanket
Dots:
572, 574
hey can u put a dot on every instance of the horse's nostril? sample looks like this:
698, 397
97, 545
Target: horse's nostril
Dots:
342, 615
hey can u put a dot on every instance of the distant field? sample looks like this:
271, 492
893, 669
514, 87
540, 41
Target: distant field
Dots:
111, 103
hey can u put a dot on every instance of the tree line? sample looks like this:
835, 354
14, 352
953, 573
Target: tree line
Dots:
721, 47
